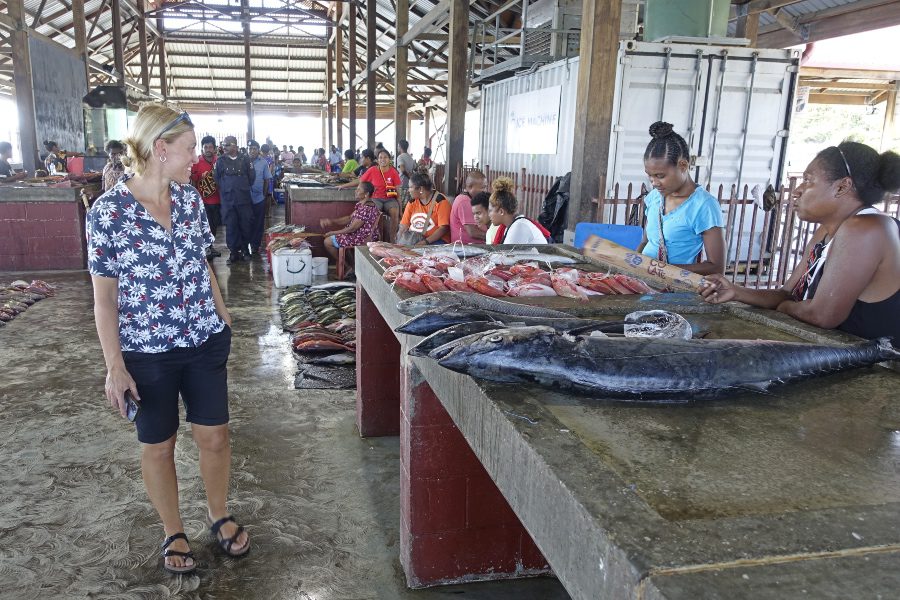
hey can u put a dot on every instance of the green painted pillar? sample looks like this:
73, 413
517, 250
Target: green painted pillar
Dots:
693, 18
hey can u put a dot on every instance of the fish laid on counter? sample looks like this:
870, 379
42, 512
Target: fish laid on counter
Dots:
470, 300
436, 319
651, 370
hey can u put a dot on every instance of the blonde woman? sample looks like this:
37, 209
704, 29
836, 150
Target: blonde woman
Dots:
162, 323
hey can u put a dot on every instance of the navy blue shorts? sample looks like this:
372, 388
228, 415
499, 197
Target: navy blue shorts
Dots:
197, 374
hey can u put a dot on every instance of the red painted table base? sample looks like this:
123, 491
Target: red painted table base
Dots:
455, 525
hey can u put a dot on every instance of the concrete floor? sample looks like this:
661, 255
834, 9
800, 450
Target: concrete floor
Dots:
321, 504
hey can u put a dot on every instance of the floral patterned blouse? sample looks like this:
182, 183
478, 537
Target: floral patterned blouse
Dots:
165, 292
367, 213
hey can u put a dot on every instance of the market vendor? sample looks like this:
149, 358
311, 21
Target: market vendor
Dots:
850, 279
350, 164
682, 218
426, 214
357, 228
7, 175
113, 170
512, 227
386, 180
52, 162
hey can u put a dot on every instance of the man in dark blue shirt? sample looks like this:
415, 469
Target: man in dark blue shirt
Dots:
234, 176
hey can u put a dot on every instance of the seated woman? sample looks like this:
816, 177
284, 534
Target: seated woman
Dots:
427, 213
481, 203
682, 218
350, 164
512, 228
851, 278
358, 227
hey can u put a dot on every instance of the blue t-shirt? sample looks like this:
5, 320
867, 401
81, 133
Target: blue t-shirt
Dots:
683, 227
165, 292
260, 181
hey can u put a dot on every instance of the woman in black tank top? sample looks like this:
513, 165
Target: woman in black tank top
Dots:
850, 278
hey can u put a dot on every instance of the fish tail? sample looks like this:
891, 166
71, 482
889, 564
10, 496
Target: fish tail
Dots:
886, 349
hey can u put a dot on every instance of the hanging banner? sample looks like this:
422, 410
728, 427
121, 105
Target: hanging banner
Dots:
532, 125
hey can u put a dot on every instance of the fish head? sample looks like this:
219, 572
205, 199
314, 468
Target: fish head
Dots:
491, 349
419, 304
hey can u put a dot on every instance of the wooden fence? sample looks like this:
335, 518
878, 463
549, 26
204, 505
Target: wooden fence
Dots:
762, 246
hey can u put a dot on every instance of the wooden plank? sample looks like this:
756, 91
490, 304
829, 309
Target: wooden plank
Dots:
339, 77
826, 24
351, 55
329, 90
821, 73
22, 77
142, 42
118, 52
371, 48
593, 104
457, 91
846, 85
401, 74
248, 79
426, 23
80, 31
837, 99
748, 27
161, 51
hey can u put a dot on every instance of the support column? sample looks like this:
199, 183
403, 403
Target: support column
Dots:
118, 52
455, 525
401, 68
747, 26
339, 77
457, 91
593, 104
248, 80
163, 75
371, 112
377, 371
351, 100
80, 30
329, 89
427, 113
888, 130
142, 34
24, 90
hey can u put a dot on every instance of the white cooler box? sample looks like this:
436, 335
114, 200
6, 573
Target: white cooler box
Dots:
292, 267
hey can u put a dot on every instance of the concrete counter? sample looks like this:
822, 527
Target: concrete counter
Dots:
308, 205
41, 228
782, 495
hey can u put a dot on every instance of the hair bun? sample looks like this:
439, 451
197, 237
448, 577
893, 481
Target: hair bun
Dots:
502, 185
661, 129
888, 171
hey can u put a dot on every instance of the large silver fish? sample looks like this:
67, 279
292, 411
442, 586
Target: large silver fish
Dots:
471, 300
651, 370
436, 319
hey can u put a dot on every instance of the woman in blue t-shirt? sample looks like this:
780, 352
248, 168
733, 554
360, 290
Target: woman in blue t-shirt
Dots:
682, 218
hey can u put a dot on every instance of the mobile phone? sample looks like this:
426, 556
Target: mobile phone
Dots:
131, 406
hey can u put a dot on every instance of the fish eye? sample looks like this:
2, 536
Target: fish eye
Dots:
495, 338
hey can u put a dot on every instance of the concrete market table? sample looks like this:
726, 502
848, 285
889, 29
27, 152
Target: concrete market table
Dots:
41, 228
787, 495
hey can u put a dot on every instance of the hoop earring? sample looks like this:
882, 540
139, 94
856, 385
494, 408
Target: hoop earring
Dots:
163, 158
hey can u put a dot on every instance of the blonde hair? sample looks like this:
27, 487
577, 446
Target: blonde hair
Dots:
502, 197
150, 121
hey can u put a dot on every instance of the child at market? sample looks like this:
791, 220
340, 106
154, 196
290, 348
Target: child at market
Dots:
682, 218
428, 213
480, 203
358, 228
463, 227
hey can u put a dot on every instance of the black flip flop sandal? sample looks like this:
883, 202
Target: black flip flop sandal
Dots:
184, 570
226, 543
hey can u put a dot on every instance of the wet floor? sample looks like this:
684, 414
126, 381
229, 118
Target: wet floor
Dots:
321, 504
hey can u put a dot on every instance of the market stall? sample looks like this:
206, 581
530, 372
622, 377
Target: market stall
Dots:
794, 490
307, 201
42, 227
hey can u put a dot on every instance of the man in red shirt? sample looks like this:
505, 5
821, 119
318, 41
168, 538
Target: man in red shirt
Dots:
202, 178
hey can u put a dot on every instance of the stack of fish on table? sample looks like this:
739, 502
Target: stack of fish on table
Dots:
16, 297
498, 273
322, 322
650, 357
